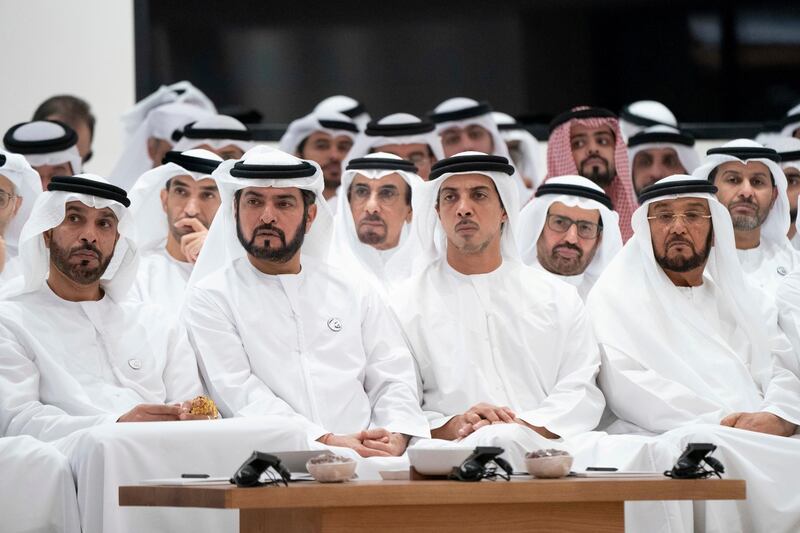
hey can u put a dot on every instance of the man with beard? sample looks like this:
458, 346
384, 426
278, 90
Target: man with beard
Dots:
788, 149
66, 308
281, 333
181, 189
705, 360
569, 231
660, 151
77, 362
373, 220
326, 138
752, 186
587, 141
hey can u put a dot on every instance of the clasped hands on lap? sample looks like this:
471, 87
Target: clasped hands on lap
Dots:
480, 415
762, 422
377, 442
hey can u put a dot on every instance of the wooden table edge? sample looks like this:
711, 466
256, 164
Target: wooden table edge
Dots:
396, 493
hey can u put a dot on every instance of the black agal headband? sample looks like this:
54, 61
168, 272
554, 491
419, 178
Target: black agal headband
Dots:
45, 146
666, 137
463, 164
90, 187
590, 112
381, 163
482, 108
190, 132
200, 165
304, 169
574, 190
659, 189
746, 152
375, 129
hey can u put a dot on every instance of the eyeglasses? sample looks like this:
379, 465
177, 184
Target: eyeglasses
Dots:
690, 218
5, 199
586, 229
387, 196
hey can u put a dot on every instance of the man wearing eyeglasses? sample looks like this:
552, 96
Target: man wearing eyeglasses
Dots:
753, 187
570, 231
19, 187
691, 353
373, 218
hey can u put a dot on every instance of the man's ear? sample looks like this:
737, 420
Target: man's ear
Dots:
410, 215
152, 150
774, 197
164, 194
504, 218
48, 236
312, 215
17, 205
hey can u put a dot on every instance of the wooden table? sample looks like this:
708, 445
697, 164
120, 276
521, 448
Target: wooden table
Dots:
568, 505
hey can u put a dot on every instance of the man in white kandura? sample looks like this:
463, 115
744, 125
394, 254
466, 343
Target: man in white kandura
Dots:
173, 206
691, 354
752, 186
149, 127
374, 219
38, 492
77, 361
277, 330
570, 231
788, 149
19, 188
505, 352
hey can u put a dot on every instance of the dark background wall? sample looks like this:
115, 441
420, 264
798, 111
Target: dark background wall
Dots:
727, 61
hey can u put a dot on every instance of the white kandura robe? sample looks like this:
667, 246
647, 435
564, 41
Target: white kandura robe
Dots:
683, 400
768, 263
316, 346
513, 337
37, 494
66, 366
161, 280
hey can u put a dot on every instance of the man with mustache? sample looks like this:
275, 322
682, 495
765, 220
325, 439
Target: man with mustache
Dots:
504, 351
173, 205
753, 187
373, 220
587, 141
78, 362
326, 138
570, 231
691, 352
280, 331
